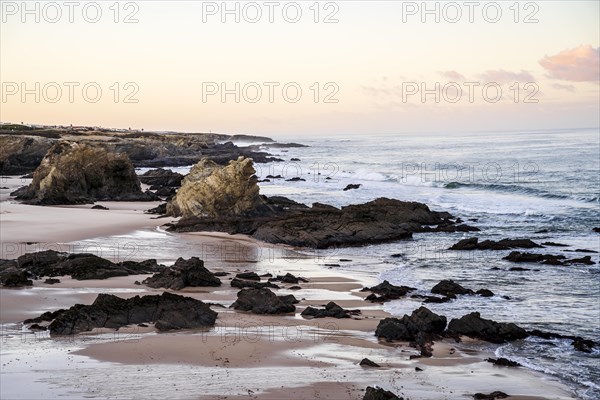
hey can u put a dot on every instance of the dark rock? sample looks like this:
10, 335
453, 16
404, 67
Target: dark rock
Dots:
597, 230
332, 265
12, 277
161, 209
165, 192
295, 159
296, 179
503, 362
161, 177
182, 274
433, 299
516, 256
242, 283
288, 278
345, 260
253, 276
583, 345
518, 269
587, 260
274, 177
221, 273
377, 393
449, 287
351, 186
99, 207
542, 231
421, 321
37, 327
472, 325
262, 301
504, 244
73, 173
585, 251
289, 299
397, 255
485, 293
168, 311
21, 154
365, 362
331, 310
294, 288
553, 244
51, 281
387, 291
491, 396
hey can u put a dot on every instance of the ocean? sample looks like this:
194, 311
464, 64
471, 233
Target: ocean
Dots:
508, 184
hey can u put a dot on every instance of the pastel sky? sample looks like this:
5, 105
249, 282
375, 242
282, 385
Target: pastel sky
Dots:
537, 67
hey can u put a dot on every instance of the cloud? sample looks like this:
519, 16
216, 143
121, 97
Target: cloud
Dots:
501, 76
455, 76
581, 64
568, 88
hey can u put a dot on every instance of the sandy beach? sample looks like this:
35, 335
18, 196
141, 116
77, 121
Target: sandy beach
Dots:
244, 355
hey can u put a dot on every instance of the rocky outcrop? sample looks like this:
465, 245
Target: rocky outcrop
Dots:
22, 154
263, 301
243, 283
73, 173
516, 256
451, 289
503, 362
12, 276
504, 244
387, 292
377, 393
422, 322
331, 310
167, 311
161, 177
218, 192
183, 273
288, 278
472, 325
81, 266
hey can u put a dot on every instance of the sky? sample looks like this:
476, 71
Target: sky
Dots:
302, 68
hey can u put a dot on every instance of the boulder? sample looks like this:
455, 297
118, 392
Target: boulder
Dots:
73, 173
365, 362
243, 283
422, 322
161, 177
450, 288
472, 325
253, 276
288, 278
377, 393
491, 396
504, 244
12, 276
331, 310
22, 154
263, 301
351, 187
387, 291
214, 191
183, 273
168, 311
503, 362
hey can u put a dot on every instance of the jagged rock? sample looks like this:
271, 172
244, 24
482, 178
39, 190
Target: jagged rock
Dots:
161, 177
472, 325
73, 173
21, 154
365, 362
503, 362
242, 283
491, 396
288, 278
331, 310
182, 274
213, 191
263, 301
253, 276
351, 186
387, 292
504, 244
421, 322
168, 311
377, 393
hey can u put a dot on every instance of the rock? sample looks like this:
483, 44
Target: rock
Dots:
485, 293
553, 244
288, 278
516, 256
387, 291
365, 362
597, 230
518, 269
13, 277
161, 177
503, 362
21, 154
168, 311
183, 273
491, 396
583, 251
242, 283
37, 327
542, 231
51, 281
296, 179
432, 299
274, 177
331, 310
417, 369
221, 273
587, 260
472, 325
377, 393
295, 159
421, 322
504, 244
99, 207
449, 287
218, 192
253, 276
165, 192
289, 299
351, 186
161, 209
262, 301
583, 345
73, 173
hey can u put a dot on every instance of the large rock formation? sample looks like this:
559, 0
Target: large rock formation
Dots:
21, 154
263, 301
73, 173
474, 326
214, 191
182, 274
168, 311
422, 322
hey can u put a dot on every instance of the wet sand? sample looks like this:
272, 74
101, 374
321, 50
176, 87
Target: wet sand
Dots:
243, 356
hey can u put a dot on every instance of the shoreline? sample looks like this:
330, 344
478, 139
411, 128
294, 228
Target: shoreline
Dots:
322, 361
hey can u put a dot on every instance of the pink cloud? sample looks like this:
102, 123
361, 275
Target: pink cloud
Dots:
581, 64
568, 88
501, 76
455, 76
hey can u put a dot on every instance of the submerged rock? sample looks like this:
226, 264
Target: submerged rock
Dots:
263, 301
387, 291
451, 289
168, 311
504, 244
472, 325
182, 274
518, 257
73, 173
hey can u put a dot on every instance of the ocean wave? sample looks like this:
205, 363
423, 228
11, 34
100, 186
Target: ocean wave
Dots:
516, 189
